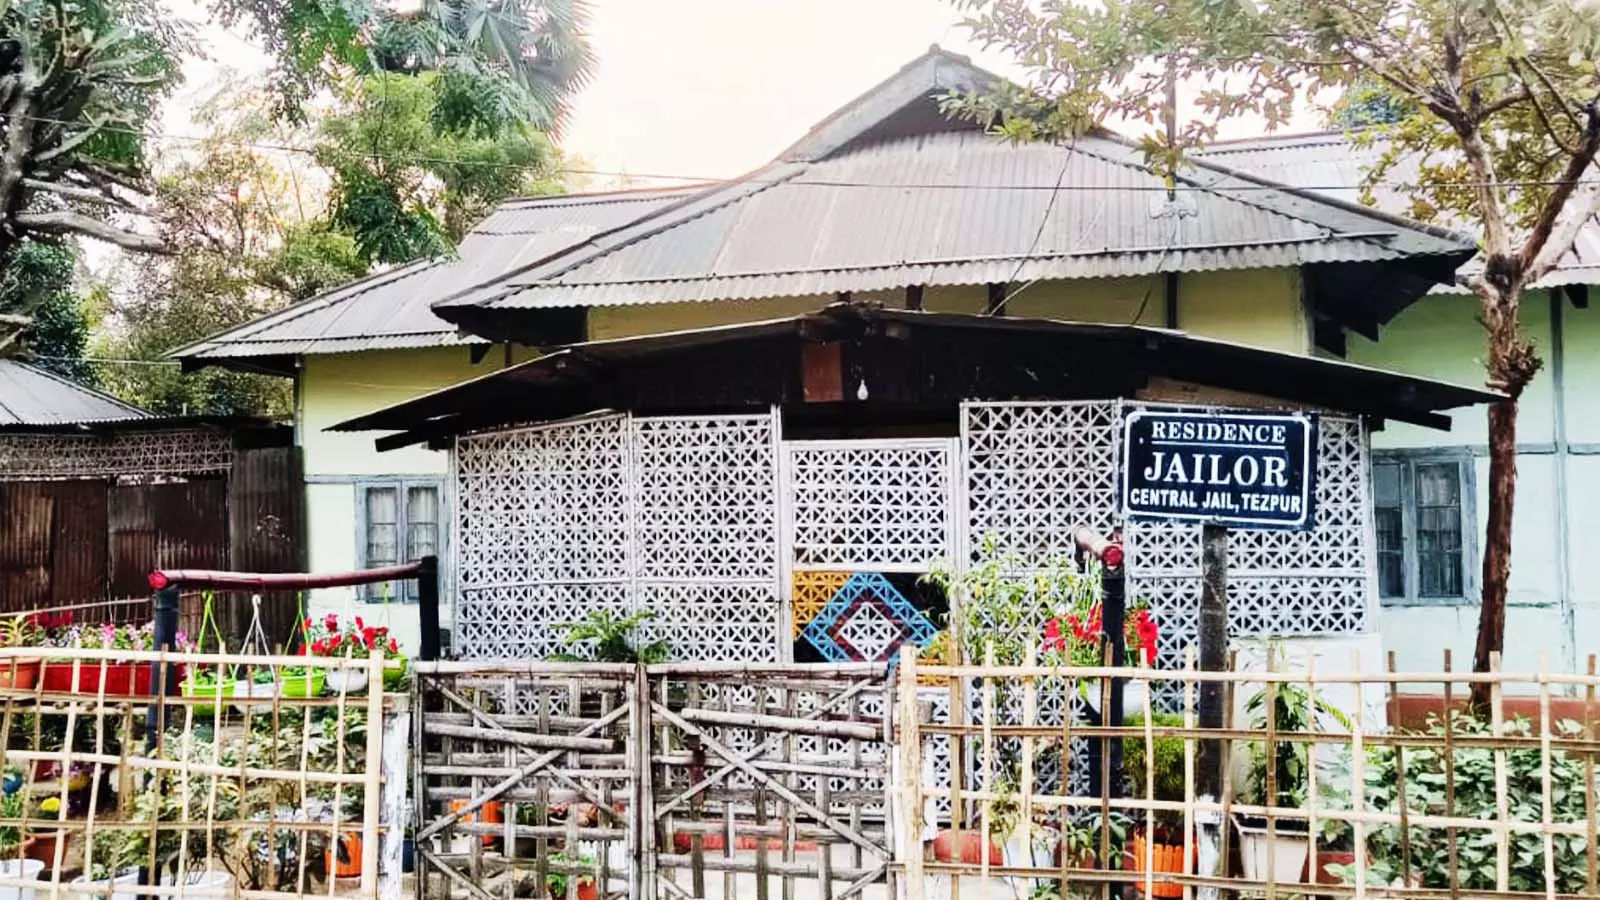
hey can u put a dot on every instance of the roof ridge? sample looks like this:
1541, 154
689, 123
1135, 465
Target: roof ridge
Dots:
585, 198
80, 387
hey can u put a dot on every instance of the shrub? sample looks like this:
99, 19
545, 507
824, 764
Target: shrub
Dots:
1425, 781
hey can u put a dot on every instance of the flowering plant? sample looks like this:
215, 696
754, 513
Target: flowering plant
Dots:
1073, 636
330, 637
103, 637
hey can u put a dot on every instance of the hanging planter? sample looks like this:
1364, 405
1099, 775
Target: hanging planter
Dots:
300, 682
209, 685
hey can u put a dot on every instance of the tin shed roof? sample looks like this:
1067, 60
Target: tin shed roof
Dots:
30, 396
1335, 164
391, 310
957, 208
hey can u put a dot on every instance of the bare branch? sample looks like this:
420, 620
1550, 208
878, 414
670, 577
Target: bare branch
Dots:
69, 222
83, 195
1564, 206
14, 319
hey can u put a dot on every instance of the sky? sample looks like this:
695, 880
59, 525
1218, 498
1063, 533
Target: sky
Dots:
704, 88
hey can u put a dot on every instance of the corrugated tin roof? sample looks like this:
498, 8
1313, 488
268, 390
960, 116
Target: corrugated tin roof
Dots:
33, 396
391, 309
1334, 164
956, 208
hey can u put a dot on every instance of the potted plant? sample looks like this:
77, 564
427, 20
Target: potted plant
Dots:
110, 867
1279, 846
85, 676
19, 673
41, 845
1074, 637
565, 867
354, 640
604, 637
1162, 769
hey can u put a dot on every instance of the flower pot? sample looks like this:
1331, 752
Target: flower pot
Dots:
394, 680
1133, 693
217, 690
42, 846
20, 675
1165, 856
1280, 857
1319, 873
120, 679
262, 693
588, 889
488, 814
344, 861
300, 685
26, 869
204, 884
344, 681
408, 856
966, 846
123, 887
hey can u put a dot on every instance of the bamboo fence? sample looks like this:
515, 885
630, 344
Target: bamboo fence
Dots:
1501, 804
209, 793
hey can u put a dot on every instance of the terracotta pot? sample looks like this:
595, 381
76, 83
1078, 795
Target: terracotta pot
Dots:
1164, 858
21, 677
971, 842
1326, 858
42, 846
488, 814
588, 889
344, 861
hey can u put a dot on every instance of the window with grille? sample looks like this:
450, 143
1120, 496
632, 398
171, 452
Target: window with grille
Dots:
1423, 517
398, 522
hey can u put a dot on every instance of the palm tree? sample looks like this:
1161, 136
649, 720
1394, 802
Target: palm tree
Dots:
500, 61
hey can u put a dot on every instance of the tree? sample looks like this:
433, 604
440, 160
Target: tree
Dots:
39, 279
505, 60
1367, 103
429, 183
79, 79
1501, 107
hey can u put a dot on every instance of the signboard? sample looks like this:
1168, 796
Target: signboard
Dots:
1234, 469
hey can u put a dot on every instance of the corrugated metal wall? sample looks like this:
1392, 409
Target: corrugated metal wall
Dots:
90, 541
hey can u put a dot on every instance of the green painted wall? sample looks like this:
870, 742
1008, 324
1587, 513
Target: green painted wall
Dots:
1555, 572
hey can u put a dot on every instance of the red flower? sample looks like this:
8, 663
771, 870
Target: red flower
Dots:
1052, 636
394, 646
359, 624
331, 623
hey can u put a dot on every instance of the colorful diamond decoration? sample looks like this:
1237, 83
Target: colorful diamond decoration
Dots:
810, 592
868, 620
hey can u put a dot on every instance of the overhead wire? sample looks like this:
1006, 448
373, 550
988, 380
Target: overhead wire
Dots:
841, 183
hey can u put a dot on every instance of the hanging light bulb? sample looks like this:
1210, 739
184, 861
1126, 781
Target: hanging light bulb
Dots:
861, 391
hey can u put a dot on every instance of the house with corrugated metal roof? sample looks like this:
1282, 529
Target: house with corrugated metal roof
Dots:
1428, 482
887, 203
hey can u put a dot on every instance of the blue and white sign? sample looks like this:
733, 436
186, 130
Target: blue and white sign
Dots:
1236, 469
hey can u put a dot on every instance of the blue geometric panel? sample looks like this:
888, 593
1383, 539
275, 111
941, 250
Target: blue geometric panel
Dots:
867, 621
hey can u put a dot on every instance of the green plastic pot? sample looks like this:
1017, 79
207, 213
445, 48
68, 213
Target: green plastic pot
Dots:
220, 689
300, 685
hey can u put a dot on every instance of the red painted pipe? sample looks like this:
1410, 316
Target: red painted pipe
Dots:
1108, 551
284, 581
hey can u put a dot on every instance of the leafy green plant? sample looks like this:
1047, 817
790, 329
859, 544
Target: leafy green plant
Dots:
1475, 798
13, 808
605, 637
556, 882
1168, 765
1006, 599
1290, 760
18, 631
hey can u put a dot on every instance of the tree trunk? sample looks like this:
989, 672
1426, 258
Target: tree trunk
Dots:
1511, 363
1497, 543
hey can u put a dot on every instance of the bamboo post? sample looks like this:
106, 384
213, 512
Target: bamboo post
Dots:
1502, 800
1313, 800
1189, 814
1452, 841
1590, 848
1546, 818
986, 805
372, 800
1029, 716
1358, 778
911, 776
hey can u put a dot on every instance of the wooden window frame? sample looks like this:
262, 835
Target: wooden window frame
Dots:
405, 591
1408, 461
